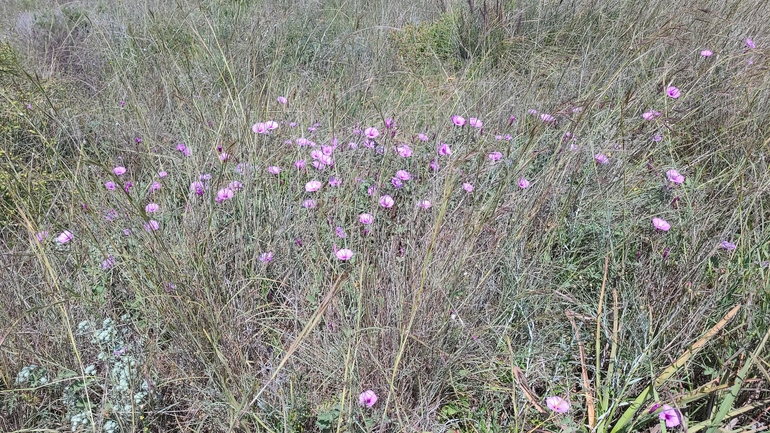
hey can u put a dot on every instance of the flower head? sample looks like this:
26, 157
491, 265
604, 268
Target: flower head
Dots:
274, 170
601, 158
309, 204
674, 176
476, 123
344, 254
650, 115
151, 225
335, 181
64, 237
523, 183
673, 92
366, 218
371, 132
197, 187
467, 187
443, 149
670, 416
727, 245
403, 175
661, 224
706, 53
424, 204
458, 120
422, 137
750, 44
282, 100
404, 150
119, 170
41, 235
387, 201
557, 404
367, 398
340, 232
547, 118
224, 194
313, 186
495, 156
266, 257
110, 185
151, 207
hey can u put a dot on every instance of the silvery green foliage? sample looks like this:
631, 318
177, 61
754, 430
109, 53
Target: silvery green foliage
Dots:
116, 372
32, 375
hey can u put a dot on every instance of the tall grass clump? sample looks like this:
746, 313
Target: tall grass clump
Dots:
346, 216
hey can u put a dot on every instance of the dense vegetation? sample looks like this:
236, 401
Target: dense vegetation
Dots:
246, 215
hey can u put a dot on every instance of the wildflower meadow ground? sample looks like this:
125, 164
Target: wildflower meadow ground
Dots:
353, 216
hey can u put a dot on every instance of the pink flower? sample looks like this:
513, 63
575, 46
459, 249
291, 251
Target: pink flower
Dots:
151, 225
345, 254
259, 128
557, 404
371, 189
151, 208
367, 398
309, 204
476, 123
224, 194
266, 257
110, 185
64, 237
750, 44
162, 174
547, 118
271, 124
656, 138
197, 187
706, 53
467, 187
366, 218
40, 236
424, 204
673, 92
371, 132
650, 115
273, 170
434, 165
726, 245
387, 201
404, 150
119, 171
108, 262
674, 176
443, 149
523, 183
235, 185
313, 186
282, 100
601, 158
532, 111
403, 175
458, 120
495, 156
335, 181
224, 156
340, 232
397, 183
670, 416
661, 224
